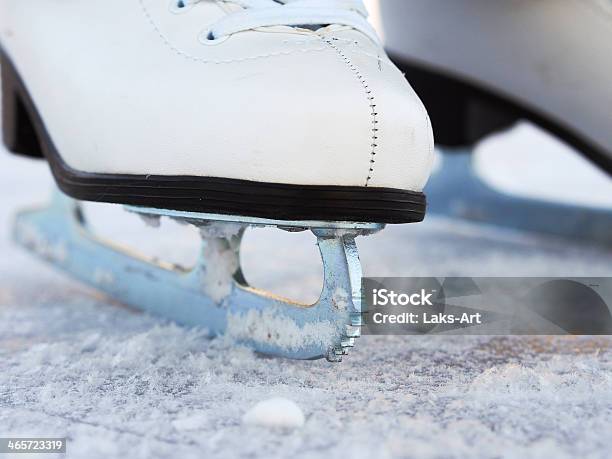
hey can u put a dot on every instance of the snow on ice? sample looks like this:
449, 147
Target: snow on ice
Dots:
278, 412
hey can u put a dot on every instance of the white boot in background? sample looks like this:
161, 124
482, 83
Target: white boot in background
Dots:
480, 65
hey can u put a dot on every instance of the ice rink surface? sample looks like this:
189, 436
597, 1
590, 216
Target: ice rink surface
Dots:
121, 384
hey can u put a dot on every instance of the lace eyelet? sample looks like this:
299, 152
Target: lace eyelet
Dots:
180, 6
207, 38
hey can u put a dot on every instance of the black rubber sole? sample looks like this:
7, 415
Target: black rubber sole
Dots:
463, 112
25, 134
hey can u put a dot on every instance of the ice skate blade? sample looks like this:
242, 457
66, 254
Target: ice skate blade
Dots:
213, 295
456, 190
254, 221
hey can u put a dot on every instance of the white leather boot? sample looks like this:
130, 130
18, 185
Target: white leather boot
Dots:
278, 109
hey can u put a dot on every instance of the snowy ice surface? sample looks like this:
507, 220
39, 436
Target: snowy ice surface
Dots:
275, 413
122, 384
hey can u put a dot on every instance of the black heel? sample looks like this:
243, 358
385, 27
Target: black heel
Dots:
461, 115
17, 128
463, 112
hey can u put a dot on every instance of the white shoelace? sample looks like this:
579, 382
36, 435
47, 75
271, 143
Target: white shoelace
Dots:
265, 13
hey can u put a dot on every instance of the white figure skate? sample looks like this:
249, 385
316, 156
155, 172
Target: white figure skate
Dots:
480, 66
224, 115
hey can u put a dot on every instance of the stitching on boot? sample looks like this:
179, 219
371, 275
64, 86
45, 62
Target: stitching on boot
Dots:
371, 101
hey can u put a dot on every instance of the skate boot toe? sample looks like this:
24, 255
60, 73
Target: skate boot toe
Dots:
203, 107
